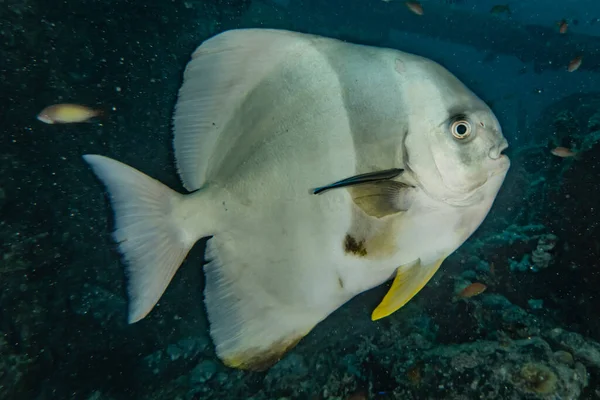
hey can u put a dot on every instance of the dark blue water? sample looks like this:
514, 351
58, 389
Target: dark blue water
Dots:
535, 331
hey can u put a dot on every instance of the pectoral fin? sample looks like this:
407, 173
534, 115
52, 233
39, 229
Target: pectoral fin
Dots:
379, 199
360, 179
408, 282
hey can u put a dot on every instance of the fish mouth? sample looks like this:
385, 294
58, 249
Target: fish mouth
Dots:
495, 152
498, 162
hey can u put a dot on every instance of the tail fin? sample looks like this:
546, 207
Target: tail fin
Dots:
150, 238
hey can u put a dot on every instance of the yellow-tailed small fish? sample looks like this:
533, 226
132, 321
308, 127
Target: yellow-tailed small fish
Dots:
67, 114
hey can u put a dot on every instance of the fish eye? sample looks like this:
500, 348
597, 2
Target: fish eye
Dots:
461, 129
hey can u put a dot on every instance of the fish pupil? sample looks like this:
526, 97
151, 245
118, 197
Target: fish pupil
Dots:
461, 129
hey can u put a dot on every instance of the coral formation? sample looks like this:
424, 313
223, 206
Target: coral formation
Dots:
538, 378
541, 257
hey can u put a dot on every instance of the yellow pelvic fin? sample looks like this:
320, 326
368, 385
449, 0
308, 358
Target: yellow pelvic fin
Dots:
408, 282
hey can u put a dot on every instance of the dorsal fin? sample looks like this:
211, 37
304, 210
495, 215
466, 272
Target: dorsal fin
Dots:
220, 75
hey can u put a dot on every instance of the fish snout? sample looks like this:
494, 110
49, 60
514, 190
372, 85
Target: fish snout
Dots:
496, 151
498, 162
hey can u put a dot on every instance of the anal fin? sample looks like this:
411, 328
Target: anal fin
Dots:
251, 329
408, 282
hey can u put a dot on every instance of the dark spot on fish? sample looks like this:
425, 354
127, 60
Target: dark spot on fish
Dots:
354, 247
341, 282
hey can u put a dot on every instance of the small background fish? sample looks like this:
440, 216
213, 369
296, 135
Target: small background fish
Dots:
564, 152
415, 7
575, 64
66, 113
472, 290
562, 26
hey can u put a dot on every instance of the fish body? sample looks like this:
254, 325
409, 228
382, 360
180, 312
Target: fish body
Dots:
415, 7
472, 290
575, 64
562, 26
563, 152
314, 111
67, 114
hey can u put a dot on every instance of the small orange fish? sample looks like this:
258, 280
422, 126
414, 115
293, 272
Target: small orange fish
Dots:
67, 114
563, 152
562, 26
415, 7
575, 64
472, 290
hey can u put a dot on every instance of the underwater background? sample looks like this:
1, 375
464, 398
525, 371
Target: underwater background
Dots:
533, 334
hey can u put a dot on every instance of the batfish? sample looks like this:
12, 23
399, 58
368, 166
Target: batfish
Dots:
318, 169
